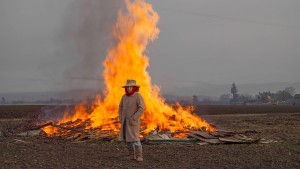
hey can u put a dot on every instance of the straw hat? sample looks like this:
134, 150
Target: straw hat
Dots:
130, 82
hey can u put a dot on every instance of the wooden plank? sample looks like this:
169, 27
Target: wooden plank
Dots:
164, 136
82, 137
242, 137
20, 141
170, 141
211, 141
42, 126
104, 136
204, 134
235, 139
74, 136
203, 143
30, 133
222, 133
231, 140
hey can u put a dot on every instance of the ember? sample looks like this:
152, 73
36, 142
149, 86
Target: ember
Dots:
134, 29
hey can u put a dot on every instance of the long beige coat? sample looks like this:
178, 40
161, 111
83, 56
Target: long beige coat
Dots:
130, 109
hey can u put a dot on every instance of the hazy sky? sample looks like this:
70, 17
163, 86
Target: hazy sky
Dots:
48, 45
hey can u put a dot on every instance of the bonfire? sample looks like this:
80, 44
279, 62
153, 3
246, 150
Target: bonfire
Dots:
135, 28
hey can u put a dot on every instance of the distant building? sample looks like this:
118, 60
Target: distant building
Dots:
296, 99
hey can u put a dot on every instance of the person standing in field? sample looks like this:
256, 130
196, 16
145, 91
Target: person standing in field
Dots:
130, 110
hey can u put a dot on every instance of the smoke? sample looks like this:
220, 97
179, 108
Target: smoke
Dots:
54, 45
87, 32
54, 113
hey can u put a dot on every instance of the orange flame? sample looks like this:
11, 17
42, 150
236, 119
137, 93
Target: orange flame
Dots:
126, 60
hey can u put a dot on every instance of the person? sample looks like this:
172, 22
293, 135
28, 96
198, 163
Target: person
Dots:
131, 108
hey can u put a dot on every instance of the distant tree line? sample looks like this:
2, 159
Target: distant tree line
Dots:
263, 97
50, 101
281, 95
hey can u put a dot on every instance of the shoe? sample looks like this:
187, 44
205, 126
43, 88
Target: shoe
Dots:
132, 153
139, 153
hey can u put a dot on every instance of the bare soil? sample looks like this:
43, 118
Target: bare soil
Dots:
269, 122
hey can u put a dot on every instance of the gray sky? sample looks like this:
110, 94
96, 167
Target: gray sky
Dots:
48, 45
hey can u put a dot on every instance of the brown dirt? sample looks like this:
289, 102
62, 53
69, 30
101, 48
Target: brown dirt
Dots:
40, 152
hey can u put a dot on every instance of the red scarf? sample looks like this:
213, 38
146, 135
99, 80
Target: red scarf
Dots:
134, 89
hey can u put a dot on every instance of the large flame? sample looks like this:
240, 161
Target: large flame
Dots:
134, 29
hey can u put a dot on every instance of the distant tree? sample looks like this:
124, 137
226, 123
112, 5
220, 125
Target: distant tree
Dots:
283, 95
266, 97
3, 100
234, 92
224, 97
206, 100
245, 97
195, 100
290, 90
52, 100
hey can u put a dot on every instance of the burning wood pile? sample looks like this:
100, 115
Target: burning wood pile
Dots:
79, 130
76, 131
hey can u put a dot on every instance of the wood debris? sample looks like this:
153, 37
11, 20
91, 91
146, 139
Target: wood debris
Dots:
170, 140
30, 133
221, 137
80, 130
165, 137
204, 134
20, 141
264, 141
210, 141
39, 126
